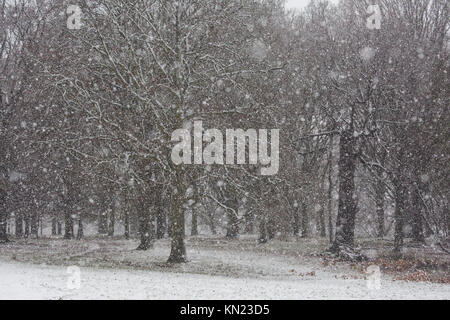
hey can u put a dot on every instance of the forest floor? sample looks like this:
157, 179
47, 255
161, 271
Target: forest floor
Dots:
218, 269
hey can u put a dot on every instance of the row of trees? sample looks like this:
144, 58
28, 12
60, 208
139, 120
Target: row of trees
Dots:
87, 116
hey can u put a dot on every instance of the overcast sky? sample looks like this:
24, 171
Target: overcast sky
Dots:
298, 3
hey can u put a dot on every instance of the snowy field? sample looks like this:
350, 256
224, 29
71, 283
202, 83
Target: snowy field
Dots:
26, 281
217, 270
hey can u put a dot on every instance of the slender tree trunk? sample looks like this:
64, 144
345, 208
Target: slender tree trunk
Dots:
400, 196
59, 228
263, 236
305, 220
3, 217
296, 222
80, 232
127, 225
232, 225
379, 203
345, 222
27, 225
330, 190
178, 249
112, 222
160, 217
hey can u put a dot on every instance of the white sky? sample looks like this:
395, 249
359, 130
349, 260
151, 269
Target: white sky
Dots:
298, 4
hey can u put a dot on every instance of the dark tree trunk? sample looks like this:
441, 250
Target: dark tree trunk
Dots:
194, 223
345, 222
112, 222
296, 222
417, 222
59, 228
3, 217
19, 225
305, 220
68, 225
232, 225
145, 230
263, 234
379, 203
249, 223
54, 226
160, 217
400, 197
178, 249
27, 225
103, 223
127, 225
80, 232
34, 224
330, 190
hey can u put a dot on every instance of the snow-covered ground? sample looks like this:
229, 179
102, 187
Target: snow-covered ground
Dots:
30, 281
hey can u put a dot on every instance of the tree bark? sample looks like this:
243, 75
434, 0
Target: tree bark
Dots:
3, 217
379, 203
178, 249
305, 220
194, 223
345, 222
19, 225
400, 196
68, 225
112, 222
417, 222
54, 222
102, 223
80, 232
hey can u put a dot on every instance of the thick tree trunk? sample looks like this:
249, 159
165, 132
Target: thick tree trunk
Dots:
68, 225
416, 221
145, 229
178, 249
34, 224
27, 226
194, 223
19, 225
379, 203
249, 223
345, 223
232, 225
54, 226
103, 223
3, 217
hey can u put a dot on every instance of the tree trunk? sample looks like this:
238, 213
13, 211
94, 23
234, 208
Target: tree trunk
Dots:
34, 224
59, 228
54, 222
3, 217
305, 220
379, 203
127, 225
345, 222
417, 222
160, 217
194, 223
80, 232
178, 249
296, 222
263, 236
112, 222
68, 225
27, 225
145, 230
400, 196
102, 223
330, 190
19, 225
